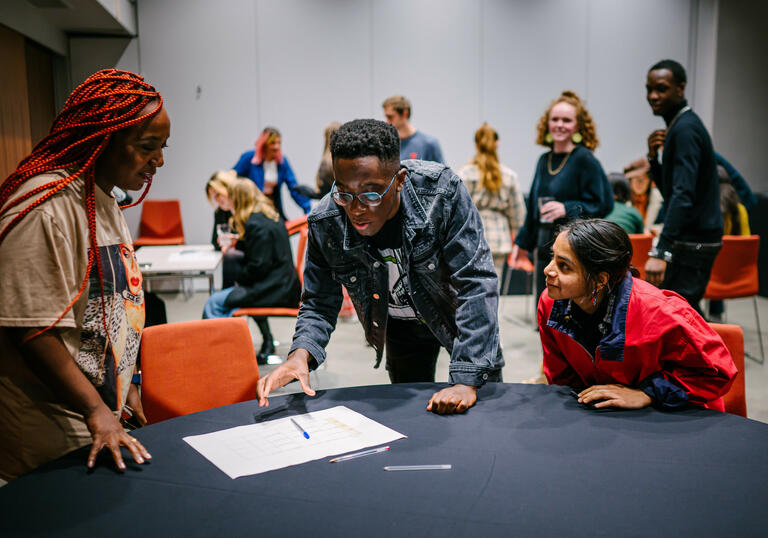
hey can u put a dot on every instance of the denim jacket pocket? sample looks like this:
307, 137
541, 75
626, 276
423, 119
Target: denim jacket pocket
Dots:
351, 277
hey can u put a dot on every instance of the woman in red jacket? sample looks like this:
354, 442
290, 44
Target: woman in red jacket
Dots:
618, 340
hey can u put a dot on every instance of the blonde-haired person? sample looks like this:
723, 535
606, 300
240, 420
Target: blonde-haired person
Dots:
496, 193
217, 190
265, 274
569, 181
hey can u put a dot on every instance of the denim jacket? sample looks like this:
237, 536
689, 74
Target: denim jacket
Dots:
449, 267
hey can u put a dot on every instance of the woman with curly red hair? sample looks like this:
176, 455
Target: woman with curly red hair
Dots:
569, 181
71, 300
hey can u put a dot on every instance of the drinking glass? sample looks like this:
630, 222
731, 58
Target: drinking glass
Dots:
542, 201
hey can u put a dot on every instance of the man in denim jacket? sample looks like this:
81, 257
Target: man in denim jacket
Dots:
407, 242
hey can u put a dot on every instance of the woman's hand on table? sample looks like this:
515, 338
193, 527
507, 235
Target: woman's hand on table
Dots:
108, 433
614, 396
296, 366
454, 399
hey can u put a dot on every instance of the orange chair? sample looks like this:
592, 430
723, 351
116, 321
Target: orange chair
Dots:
296, 226
160, 224
734, 275
196, 365
641, 244
733, 338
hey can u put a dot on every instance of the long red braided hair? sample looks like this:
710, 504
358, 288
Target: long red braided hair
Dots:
106, 102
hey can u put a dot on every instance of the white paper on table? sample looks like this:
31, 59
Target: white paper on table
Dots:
193, 256
274, 444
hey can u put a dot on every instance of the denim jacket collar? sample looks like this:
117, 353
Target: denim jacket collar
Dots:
612, 327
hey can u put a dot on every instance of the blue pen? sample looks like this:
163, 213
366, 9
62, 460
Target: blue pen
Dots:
300, 428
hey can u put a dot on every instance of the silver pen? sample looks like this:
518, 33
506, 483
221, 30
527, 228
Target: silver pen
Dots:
359, 454
442, 467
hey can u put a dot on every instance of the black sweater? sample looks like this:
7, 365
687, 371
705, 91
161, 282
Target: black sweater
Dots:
267, 276
581, 186
687, 179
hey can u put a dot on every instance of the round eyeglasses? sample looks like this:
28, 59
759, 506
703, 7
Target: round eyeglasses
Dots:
370, 198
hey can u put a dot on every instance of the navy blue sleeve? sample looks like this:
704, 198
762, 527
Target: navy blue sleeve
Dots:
747, 197
596, 194
665, 394
685, 171
526, 235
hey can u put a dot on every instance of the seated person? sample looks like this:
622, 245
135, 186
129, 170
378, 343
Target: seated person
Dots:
623, 213
735, 222
407, 243
218, 191
266, 275
618, 340
645, 197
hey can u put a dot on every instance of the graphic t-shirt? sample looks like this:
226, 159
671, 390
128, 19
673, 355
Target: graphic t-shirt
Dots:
42, 266
388, 242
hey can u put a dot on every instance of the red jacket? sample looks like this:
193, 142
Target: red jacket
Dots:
653, 340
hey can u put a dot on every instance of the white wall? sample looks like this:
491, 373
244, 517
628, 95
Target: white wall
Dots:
741, 108
298, 64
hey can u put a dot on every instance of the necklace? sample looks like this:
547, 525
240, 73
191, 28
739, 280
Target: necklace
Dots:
562, 164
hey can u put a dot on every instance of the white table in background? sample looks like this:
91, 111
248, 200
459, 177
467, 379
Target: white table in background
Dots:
178, 261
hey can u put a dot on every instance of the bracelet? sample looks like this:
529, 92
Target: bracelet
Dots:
136, 379
660, 254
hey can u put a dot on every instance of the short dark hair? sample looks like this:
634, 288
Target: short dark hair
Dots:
678, 72
366, 138
601, 246
620, 185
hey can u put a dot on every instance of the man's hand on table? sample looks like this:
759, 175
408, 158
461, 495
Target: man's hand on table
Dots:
296, 366
455, 399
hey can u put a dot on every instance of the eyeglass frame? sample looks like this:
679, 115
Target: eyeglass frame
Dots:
359, 194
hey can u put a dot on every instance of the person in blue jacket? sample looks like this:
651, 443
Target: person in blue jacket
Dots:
269, 170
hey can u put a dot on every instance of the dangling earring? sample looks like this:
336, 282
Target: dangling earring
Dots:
594, 296
577, 138
548, 138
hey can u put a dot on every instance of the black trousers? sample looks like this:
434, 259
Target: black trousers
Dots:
688, 272
411, 351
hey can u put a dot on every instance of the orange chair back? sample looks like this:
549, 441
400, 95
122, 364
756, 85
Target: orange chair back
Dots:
735, 400
734, 273
641, 244
196, 365
301, 251
160, 223
294, 225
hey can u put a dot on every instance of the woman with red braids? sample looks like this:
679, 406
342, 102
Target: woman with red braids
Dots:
71, 301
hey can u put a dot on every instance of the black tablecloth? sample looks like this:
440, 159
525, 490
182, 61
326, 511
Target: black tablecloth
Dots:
527, 461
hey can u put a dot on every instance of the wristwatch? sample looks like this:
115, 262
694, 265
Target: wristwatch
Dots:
660, 254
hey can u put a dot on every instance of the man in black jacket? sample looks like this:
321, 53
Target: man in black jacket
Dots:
683, 166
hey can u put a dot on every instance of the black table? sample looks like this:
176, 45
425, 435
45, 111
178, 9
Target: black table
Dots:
527, 461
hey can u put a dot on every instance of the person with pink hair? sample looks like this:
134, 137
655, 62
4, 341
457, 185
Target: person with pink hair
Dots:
269, 169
